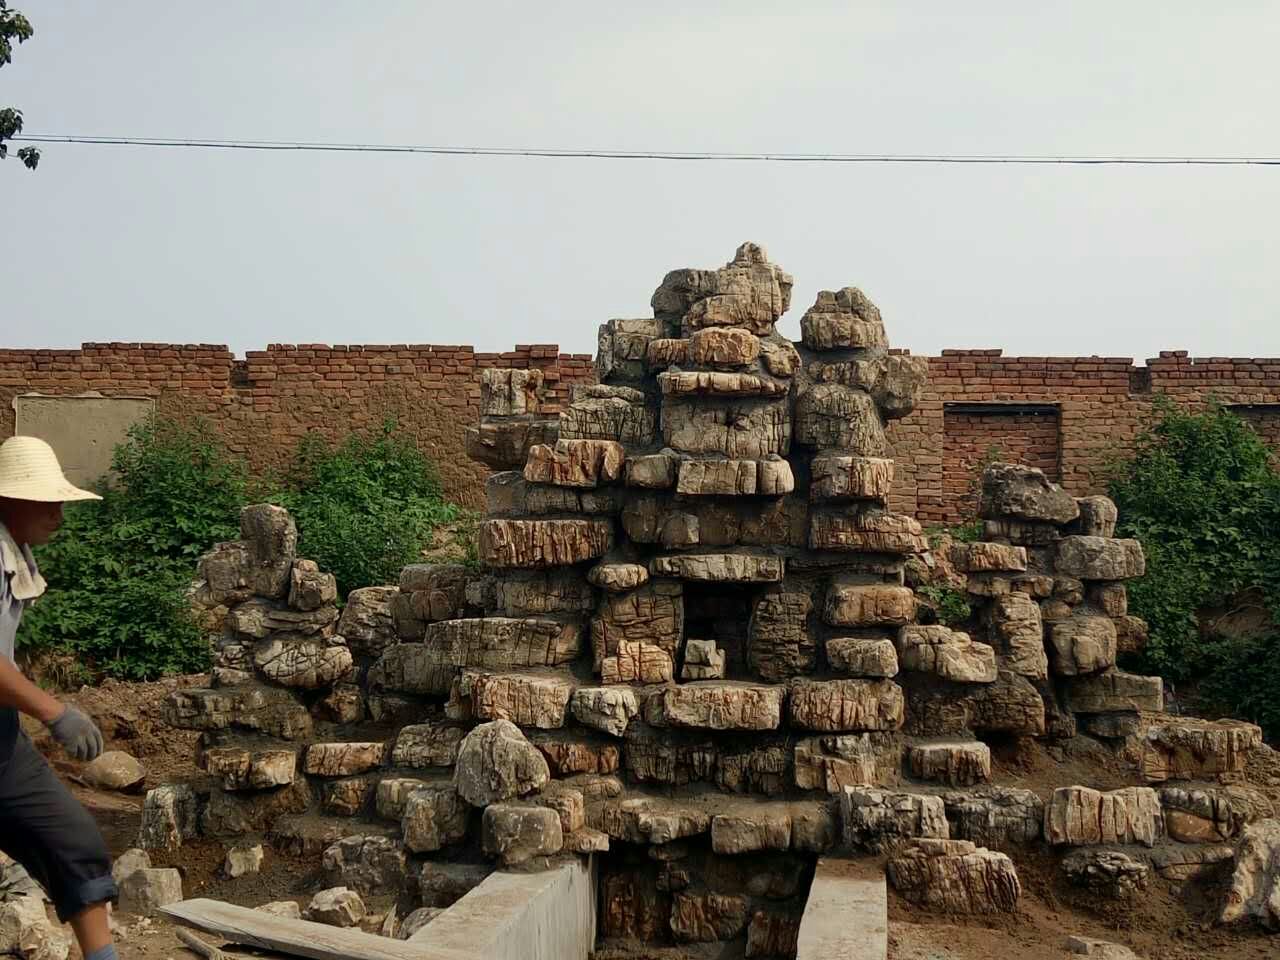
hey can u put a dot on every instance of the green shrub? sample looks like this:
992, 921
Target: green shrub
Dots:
119, 570
366, 508
949, 604
1202, 494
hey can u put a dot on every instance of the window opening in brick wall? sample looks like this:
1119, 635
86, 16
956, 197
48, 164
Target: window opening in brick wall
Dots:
1265, 419
976, 433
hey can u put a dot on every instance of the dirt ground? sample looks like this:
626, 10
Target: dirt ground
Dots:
1162, 925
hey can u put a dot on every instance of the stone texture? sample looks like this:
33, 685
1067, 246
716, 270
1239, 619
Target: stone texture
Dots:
526, 699
1019, 631
837, 477
880, 820
1114, 691
1254, 892
772, 934
1110, 874
996, 817
143, 891
600, 412
984, 557
1194, 749
754, 428
1082, 645
703, 660
838, 706
575, 463
719, 567
652, 614
242, 860
497, 762
270, 711
1079, 816
843, 319
309, 589
748, 828
168, 817
780, 643
957, 764
869, 605
636, 662
242, 769
443, 883
343, 759
779, 356
1099, 949
271, 540
863, 656
1099, 558
605, 708
618, 577
718, 383
125, 864
337, 907
955, 876
504, 444
303, 662
435, 816
1131, 634
867, 531
508, 392
1013, 491
516, 833
425, 745
288, 909
540, 543
1098, 517
651, 820
945, 653
833, 417
392, 794
655, 471
717, 705
1209, 814
748, 292
114, 770
848, 760
707, 917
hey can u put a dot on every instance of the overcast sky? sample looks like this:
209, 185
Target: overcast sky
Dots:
245, 248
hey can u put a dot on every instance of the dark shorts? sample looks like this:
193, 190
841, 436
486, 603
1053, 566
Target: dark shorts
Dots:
45, 829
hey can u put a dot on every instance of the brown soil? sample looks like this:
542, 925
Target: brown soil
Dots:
1161, 925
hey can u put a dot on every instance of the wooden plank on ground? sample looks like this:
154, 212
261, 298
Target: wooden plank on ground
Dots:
300, 938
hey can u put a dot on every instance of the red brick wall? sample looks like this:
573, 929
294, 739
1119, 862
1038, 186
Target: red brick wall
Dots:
1102, 404
264, 403
970, 439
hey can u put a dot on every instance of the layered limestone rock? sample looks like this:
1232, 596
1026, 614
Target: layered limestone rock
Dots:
946, 653
1192, 749
1077, 816
880, 820
955, 876
957, 764
1255, 882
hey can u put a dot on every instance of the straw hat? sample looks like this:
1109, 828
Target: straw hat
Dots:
29, 470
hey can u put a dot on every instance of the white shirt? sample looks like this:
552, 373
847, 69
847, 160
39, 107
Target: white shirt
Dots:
20, 583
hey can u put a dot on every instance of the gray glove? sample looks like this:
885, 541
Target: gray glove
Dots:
78, 735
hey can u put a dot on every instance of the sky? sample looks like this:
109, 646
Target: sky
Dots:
247, 248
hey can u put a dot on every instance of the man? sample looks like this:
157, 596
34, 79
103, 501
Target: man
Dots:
41, 824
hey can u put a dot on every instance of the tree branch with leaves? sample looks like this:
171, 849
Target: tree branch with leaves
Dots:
14, 29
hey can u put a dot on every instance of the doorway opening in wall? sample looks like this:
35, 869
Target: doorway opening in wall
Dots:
721, 612
976, 434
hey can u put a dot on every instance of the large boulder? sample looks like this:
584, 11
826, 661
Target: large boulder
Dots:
497, 762
1255, 884
1013, 491
955, 876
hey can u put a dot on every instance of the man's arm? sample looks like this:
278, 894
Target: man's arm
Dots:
19, 693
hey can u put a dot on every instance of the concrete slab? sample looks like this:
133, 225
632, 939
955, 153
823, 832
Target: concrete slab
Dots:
847, 914
83, 430
520, 916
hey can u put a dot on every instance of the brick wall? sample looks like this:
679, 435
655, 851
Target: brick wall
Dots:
1101, 404
264, 403
973, 435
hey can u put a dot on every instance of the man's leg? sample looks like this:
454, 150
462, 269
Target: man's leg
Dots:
45, 828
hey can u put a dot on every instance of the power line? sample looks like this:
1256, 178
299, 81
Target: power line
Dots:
580, 154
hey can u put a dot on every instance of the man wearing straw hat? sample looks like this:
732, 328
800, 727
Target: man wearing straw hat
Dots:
42, 826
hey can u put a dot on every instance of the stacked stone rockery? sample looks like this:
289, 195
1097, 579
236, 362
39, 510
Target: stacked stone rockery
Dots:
690, 646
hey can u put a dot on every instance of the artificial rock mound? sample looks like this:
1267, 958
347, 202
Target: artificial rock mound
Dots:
693, 645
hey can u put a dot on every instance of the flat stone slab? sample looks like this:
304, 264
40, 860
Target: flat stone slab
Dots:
719, 567
847, 914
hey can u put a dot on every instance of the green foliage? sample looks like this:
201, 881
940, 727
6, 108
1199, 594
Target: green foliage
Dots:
951, 606
14, 28
366, 508
119, 570
1202, 494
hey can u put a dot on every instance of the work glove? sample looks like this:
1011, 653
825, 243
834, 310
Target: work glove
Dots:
78, 735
